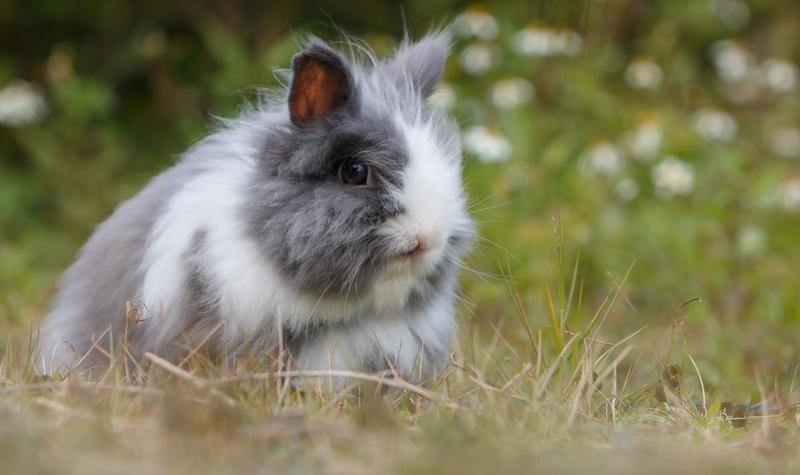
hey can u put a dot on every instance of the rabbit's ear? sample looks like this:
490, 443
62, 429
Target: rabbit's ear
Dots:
321, 82
421, 62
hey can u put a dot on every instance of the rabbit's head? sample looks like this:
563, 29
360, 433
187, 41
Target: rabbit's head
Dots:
359, 190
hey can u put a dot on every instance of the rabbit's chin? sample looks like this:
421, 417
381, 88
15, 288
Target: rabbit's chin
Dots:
401, 275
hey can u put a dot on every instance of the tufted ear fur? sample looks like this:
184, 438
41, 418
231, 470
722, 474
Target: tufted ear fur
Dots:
421, 62
321, 82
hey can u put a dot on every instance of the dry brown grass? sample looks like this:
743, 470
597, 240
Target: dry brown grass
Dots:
563, 401
515, 397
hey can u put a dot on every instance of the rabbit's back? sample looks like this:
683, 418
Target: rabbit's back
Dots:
92, 294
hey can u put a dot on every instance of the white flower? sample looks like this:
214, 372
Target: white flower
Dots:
789, 194
715, 125
476, 22
673, 176
643, 73
644, 143
487, 143
533, 41
779, 75
604, 158
785, 142
20, 104
733, 62
511, 93
476, 58
734, 14
627, 189
750, 240
539, 40
443, 97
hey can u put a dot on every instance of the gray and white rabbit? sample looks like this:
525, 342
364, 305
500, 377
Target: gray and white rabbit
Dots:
330, 219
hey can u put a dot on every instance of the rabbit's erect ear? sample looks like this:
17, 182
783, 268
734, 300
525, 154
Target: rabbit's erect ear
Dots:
321, 82
421, 62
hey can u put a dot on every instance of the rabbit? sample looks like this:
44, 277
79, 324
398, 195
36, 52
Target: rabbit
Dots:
329, 218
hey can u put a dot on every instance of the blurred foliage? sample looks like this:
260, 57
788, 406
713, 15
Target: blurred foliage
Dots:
659, 133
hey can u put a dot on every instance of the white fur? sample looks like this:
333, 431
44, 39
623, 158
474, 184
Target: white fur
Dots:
247, 287
431, 192
354, 346
433, 201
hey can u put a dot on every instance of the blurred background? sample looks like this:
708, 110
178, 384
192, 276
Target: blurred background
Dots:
658, 136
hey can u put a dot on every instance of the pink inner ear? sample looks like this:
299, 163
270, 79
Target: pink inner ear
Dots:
317, 89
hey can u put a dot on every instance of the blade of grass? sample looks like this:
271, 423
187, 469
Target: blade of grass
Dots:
554, 320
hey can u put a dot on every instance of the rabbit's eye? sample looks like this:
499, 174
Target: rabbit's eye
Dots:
353, 173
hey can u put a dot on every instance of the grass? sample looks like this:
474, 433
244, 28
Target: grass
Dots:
563, 399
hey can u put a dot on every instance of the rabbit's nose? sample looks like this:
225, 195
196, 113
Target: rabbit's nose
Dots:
423, 242
418, 243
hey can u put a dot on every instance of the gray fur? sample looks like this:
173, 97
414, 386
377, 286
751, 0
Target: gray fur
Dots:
421, 62
315, 229
94, 292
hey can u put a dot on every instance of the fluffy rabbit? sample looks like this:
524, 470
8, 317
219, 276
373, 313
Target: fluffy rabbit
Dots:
330, 219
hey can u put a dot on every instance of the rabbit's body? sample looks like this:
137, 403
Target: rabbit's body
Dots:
335, 230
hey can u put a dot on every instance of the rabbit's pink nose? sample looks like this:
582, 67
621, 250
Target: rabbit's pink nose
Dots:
423, 242
418, 245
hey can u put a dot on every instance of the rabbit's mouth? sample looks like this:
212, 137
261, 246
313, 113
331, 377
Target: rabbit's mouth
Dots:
416, 257
412, 261
411, 266
417, 251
